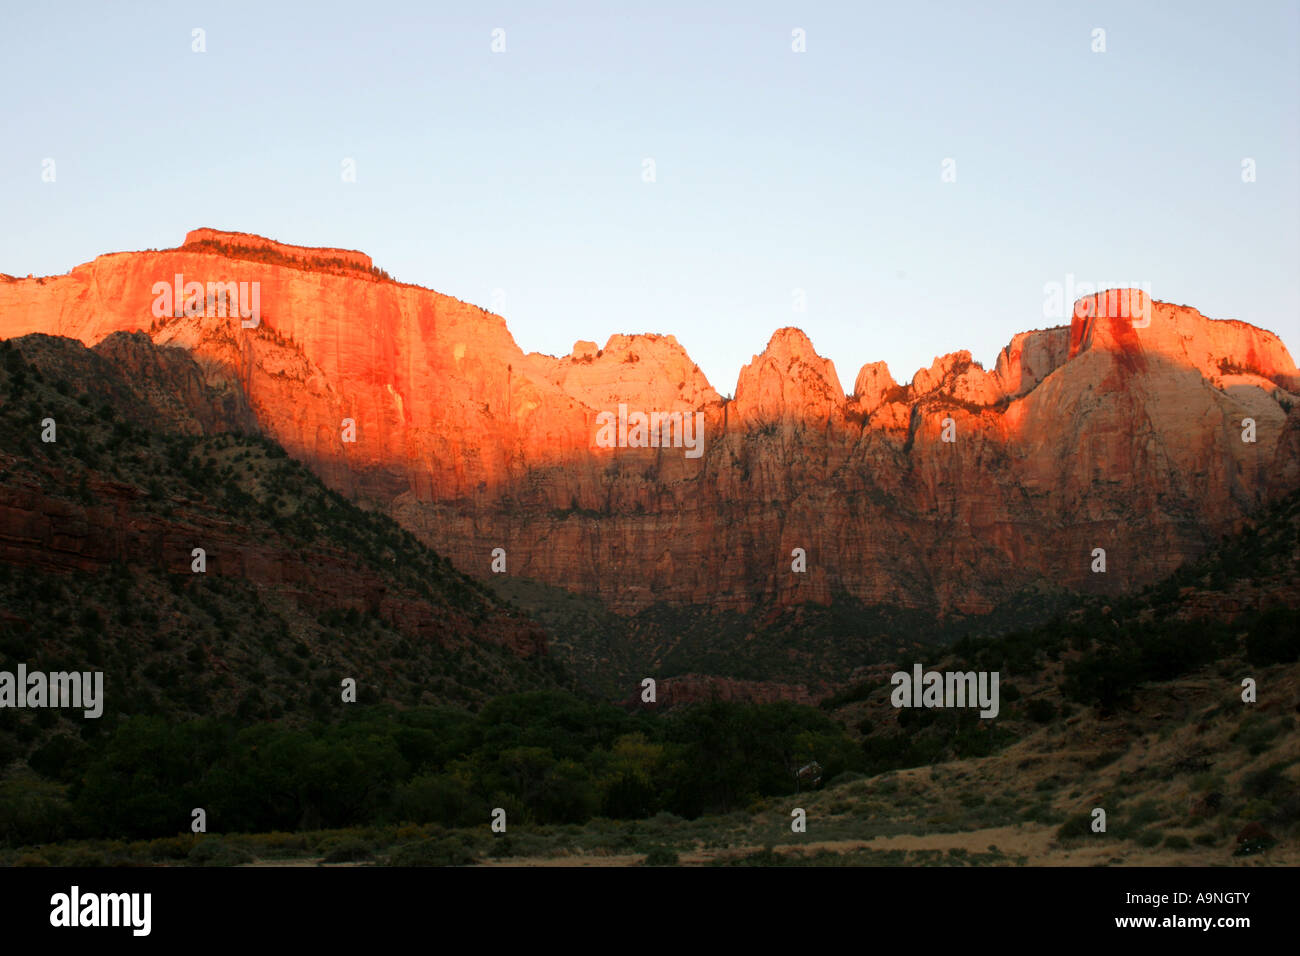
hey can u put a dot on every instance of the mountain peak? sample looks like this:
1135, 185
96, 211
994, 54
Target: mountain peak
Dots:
790, 381
1132, 327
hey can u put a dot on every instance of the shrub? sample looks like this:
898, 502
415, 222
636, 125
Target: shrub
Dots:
171, 848
83, 856
1077, 826
1257, 734
33, 811
664, 819
1149, 838
347, 851
660, 856
445, 852
217, 853
1261, 783
1038, 813
1146, 812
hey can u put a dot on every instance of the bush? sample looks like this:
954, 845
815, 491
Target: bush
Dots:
171, 848
1176, 841
1257, 734
1261, 783
517, 844
764, 857
664, 819
445, 852
347, 851
1132, 822
1076, 827
1149, 838
660, 856
1040, 813
33, 811
217, 853
83, 856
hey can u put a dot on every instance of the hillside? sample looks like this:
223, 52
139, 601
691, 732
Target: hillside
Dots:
1186, 771
301, 589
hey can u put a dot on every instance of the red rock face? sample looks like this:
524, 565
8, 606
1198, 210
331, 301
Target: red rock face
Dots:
1118, 432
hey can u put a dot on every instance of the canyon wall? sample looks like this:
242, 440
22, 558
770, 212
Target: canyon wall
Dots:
1107, 433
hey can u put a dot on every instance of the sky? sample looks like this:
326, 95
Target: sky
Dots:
681, 167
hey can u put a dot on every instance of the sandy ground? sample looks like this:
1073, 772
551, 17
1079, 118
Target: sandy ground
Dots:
1035, 843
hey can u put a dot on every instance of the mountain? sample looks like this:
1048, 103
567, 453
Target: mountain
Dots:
225, 684
299, 589
1108, 433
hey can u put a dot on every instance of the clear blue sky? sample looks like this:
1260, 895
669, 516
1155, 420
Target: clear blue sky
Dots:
522, 171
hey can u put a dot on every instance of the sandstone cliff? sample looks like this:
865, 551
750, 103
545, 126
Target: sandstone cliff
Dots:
1103, 434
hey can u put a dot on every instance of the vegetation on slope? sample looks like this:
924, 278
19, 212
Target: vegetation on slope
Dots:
174, 644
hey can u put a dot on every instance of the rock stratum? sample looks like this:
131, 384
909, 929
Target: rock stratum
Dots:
1107, 433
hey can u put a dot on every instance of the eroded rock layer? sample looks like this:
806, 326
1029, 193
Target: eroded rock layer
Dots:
1114, 432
